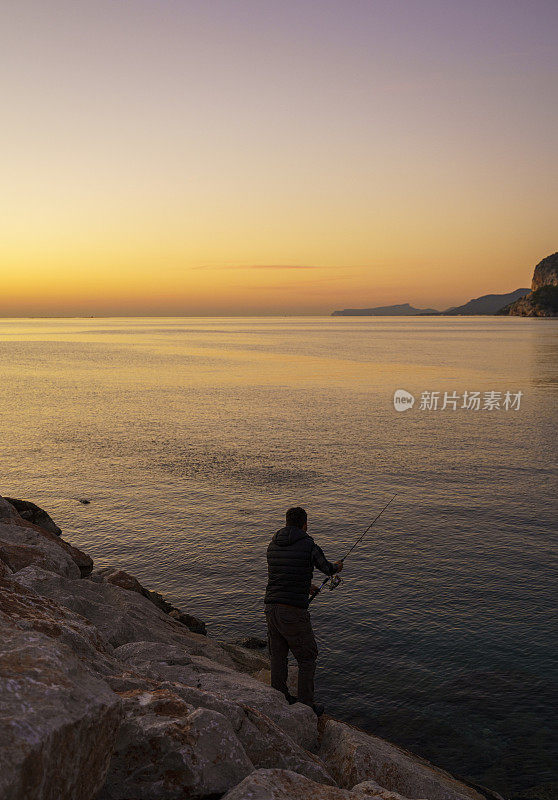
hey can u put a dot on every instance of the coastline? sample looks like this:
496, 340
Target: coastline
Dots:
111, 693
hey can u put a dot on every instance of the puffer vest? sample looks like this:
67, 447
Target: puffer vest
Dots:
289, 567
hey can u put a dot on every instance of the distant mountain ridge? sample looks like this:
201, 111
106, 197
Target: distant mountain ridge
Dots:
487, 303
401, 310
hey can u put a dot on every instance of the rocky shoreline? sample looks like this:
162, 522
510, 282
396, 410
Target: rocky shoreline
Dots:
109, 692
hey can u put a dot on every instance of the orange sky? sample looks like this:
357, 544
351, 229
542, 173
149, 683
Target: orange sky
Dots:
274, 157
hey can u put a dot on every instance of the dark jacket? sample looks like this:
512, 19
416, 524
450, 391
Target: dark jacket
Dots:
291, 558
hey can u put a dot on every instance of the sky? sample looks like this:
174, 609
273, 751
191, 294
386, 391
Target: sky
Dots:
238, 157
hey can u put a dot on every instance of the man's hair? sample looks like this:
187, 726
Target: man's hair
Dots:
296, 516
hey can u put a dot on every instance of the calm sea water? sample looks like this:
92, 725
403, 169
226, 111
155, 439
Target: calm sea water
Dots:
191, 437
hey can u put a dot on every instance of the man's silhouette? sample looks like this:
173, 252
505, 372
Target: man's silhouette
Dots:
291, 557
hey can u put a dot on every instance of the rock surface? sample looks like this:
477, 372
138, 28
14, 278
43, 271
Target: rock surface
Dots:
542, 301
166, 748
353, 756
33, 513
281, 784
546, 272
118, 577
22, 544
119, 614
59, 722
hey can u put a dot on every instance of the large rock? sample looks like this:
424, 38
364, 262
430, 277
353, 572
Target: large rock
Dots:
33, 513
298, 720
281, 784
7, 511
4, 570
373, 789
270, 747
542, 301
22, 543
58, 721
192, 623
28, 611
265, 743
546, 272
118, 577
166, 749
130, 681
352, 756
251, 642
124, 616
191, 663
245, 659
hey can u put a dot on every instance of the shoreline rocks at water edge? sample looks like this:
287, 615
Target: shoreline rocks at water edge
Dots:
109, 692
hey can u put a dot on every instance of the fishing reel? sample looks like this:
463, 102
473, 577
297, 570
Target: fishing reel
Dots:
334, 582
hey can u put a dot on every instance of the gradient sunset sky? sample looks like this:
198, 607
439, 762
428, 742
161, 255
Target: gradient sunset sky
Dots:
245, 157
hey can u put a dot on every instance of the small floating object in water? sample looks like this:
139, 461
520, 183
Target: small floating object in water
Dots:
84, 501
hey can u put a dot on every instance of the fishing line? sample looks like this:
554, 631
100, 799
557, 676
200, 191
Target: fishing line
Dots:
335, 580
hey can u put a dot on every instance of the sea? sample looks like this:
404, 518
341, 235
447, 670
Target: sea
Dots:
171, 447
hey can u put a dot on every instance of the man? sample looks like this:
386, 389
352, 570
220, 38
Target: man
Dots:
291, 557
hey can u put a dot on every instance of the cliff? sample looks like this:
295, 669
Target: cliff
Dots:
106, 692
542, 301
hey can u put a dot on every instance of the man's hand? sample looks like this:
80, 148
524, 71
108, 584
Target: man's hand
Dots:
339, 565
314, 589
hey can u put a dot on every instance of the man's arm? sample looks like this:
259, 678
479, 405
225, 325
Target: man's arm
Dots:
320, 562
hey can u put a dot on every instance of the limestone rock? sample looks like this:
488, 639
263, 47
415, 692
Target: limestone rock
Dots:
33, 513
123, 616
246, 660
166, 750
131, 681
192, 623
251, 642
4, 570
7, 511
270, 747
28, 611
352, 756
118, 577
542, 301
59, 722
181, 652
298, 721
265, 743
186, 662
21, 545
546, 273
372, 789
283, 784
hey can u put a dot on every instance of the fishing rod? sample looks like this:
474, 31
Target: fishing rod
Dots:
335, 580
